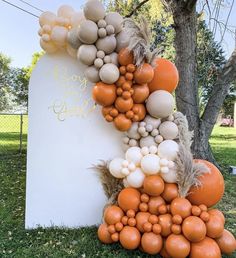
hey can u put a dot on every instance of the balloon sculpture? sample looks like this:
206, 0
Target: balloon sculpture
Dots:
166, 202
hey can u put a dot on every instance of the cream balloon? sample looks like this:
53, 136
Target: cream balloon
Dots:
48, 47
87, 54
154, 122
65, 11
76, 19
88, 32
150, 164
169, 130
114, 58
92, 74
160, 104
71, 51
135, 179
59, 35
133, 131
47, 18
73, 38
115, 167
94, 10
168, 149
122, 40
114, 19
147, 141
107, 44
134, 155
170, 177
109, 73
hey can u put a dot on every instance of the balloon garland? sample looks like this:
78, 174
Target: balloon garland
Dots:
166, 202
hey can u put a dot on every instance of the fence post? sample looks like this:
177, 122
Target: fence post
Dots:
21, 132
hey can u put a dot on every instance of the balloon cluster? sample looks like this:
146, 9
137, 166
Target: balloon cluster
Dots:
155, 219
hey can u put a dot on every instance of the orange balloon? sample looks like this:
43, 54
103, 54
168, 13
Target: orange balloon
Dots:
196, 211
153, 185
166, 222
139, 112
141, 92
125, 57
215, 226
141, 219
151, 243
103, 234
170, 192
181, 206
129, 199
113, 214
217, 213
154, 203
130, 237
122, 123
207, 248
194, 229
164, 253
144, 74
176, 229
226, 242
166, 76
177, 246
104, 94
124, 105
206, 193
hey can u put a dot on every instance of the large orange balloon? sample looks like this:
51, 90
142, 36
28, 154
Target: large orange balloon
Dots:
170, 192
153, 185
226, 242
103, 234
177, 246
212, 187
214, 226
218, 213
113, 214
166, 76
154, 203
151, 243
207, 248
181, 206
166, 222
141, 219
104, 94
129, 199
130, 237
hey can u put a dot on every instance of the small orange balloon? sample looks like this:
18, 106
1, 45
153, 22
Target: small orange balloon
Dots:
115, 237
177, 246
151, 243
113, 214
111, 229
131, 222
217, 213
170, 192
130, 213
203, 207
206, 193
103, 234
122, 123
130, 237
144, 198
153, 185
205, 216
141, 219
215, 226
119, 226
129, 76
176, 229
139, 112
181, 206
162, 209
196, 211
129, 199
143, 206
124, 220
147, 227
177, 219
194, 229
120, 81
226, 242
154, 204
124, 105
164, 253
125, 57
130, 68
153, 219
156, 228
166, 76
104, 94
165, 222
144, 74
141, 93
122, 70
207, 248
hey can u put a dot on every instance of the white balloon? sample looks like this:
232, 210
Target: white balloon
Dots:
170, 177
48, 18
155, 122
147, 141
150, 164
115, 167
134, 155
168, 149
133, 131
135, 179
65, 11
169, 130
76, 19
59, 35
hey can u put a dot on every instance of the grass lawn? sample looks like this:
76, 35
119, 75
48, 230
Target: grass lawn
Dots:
15, 241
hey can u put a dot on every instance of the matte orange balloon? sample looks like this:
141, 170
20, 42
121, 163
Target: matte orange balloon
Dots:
113, 214
104, 94
141, 93
122, 123
181, 206
153, 185
103, 234
166, 76
207, 248
130, 237
129, 199
177, 246
226, 242
215, 226
170, 192
154, 203
125, 57
151, 243
139, 112
124, 105
141, 219
217, 213
212, 187
164, 253
166, 222
194, 229
144, 74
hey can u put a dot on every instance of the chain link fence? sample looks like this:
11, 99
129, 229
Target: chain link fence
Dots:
13, 134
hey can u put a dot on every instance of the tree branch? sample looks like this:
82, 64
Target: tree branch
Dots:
225, 78
136, 8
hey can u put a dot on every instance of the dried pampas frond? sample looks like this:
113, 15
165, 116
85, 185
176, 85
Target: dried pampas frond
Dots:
185, 136
188, 172
111, 185
140, 41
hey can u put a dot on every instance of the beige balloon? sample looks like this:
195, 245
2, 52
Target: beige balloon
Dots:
59, 35
107, 44
65, 11
48, 47
92, 74
147, 141
48, 18
77, 18
122, 40
114, 58
109, 73
168, 130
88, 32
160, 104
71, 51
94, 10
87, 54
114, 19
73, 38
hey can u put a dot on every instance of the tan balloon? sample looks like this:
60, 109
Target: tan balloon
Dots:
107, 44
65, 11
114, 58
73, 38
114, 19
168, 130
87, 54
48, 18
77, 18
122, 39
94, 10
59, 35
48, 47
160, 104
92, 74
109, 73
147, 141
71, 51
88, 32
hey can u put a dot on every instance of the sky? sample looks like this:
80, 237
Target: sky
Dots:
19, 31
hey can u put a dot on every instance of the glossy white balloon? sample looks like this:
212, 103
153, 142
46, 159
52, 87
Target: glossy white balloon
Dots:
150, 164
115, 167
135, 179
169, 177
59, 35
169, 130
168, 149
134, 155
